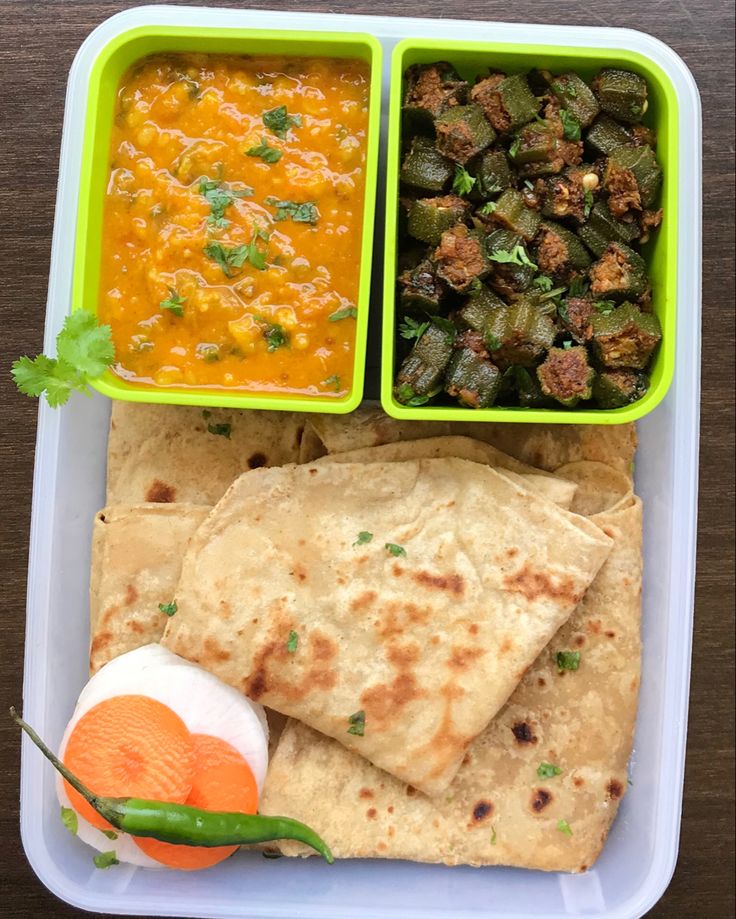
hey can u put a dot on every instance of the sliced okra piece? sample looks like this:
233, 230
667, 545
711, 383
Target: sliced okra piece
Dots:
576, 97
518, 334
463, 131
420, 375
568, 195
478, 308
625, 337
461, 257
539, 150
615, 388
642, 163
425, 167
420, 290
512, 212
606, 135
493, 174
574, 315
430, 217
520, 385
507, 102
621, 94
559, 252
513, 270
472, 379
566, 376
619, 274
602, 228
430, 89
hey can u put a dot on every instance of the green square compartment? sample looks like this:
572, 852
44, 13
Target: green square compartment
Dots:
110, 65
660, 253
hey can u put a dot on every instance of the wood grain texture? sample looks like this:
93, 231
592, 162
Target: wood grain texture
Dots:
37, 44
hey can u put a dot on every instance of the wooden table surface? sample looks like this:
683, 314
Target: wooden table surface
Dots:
37, 44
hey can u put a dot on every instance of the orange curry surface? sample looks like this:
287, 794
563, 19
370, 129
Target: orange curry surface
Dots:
232, 224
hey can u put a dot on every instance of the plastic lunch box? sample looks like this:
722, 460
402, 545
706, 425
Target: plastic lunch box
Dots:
69, 487
471, 58
103, 80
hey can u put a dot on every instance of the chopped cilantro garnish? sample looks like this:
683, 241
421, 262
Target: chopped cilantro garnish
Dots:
278, 121
219, 196
570, 125
300, 212
568, 660
567, 345
226, 258
85, 350
221, 430
493, 342
411, 328
543, 282
394, 550
293, 642
169, 609
175, 303
514, 148
548, 771
347, 312
265, 152
447, 326
334, 381
488, 208
363, 537
463, 182
564, 827
604, 306
357, 724
70, 820
517, 256
105, 860
276, 337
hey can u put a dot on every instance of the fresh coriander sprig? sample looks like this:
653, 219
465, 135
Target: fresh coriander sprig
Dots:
463, 182
278, 121
267, 153
220, 196
84, 351
300, 212
517, 256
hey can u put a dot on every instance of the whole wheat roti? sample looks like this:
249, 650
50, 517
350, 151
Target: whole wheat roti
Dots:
176, 453
137, 552
423, 630
549, 486
544, 446
499, 809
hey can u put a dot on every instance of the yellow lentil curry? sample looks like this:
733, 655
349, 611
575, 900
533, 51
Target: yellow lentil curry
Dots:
232, 223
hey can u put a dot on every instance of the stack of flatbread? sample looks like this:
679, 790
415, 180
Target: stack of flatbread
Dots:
447, 615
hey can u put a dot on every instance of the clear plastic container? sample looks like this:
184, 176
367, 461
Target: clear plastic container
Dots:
69, 487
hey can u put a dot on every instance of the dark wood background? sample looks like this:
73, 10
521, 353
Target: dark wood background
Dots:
37, 43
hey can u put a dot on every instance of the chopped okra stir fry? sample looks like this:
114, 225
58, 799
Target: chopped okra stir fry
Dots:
524, 199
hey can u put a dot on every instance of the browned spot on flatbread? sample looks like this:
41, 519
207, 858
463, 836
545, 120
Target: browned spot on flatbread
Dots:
390, 809
580, 640
410, 791
398, 618
135, 626
610, 633
505, 646
461, 658
541, 681
614, 789
397, 570
299, 573
371, 813
269, 674
609, 532
383, 702
99, 643
363, 601
382, 847
594, 626
214, 652
225, 611
454, 583
523, 733
391, 832
482, 811
535, 584
512, 552
473, 628
366, 793
131, 595
313, 471
160, 493
256, 460
540, 799
578, 781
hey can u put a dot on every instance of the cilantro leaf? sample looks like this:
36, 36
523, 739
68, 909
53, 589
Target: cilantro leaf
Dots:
300, 212
570, 125
406, 395
220, 430
265, 152
543, 282
567, 345
333, 380
70, 820
604, 306
463, 182
219, 196
394, 550
493, 342
517, 256
514, 148
278, 121
105, 860
174, 304
488, 208
85, 345
363, 537
568, 660
168, 609
347, 312
226, 257
357, 723
548, 771
293, 642
410, 328
564, 827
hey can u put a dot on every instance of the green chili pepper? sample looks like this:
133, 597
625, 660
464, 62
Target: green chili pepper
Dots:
179, 823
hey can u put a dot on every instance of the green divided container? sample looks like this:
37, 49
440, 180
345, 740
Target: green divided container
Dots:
660, 253
114, 59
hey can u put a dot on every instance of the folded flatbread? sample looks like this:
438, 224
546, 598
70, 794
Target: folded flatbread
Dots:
175, 453
507, 805
544, 446
409, 640
549, 486
136, 563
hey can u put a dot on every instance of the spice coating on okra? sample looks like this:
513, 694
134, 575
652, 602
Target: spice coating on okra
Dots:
524, 199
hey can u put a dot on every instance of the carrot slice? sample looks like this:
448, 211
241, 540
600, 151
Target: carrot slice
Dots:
130, 747
223, 781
